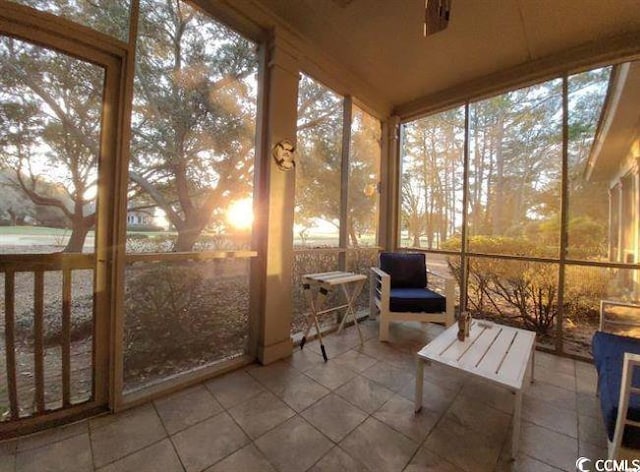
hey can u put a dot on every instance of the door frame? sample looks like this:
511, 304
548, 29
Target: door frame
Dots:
115, 57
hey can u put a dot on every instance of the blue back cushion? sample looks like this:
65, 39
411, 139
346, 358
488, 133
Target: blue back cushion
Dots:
407, 270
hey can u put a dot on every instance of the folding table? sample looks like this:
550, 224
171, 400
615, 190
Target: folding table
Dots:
316, 288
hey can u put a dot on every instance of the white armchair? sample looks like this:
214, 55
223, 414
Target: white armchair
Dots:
399, 292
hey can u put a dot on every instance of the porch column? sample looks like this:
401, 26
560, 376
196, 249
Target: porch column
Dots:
275, 206
636, 217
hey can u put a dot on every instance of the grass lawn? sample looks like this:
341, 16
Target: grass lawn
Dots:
35, 230
47, 231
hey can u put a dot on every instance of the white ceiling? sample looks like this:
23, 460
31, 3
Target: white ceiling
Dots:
381, 41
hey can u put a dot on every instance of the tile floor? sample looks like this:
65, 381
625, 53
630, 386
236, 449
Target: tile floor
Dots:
354, 413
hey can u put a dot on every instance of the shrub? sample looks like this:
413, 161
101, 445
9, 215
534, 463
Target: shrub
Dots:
183, 314
527, 291
521, 290
137, 236
147, 228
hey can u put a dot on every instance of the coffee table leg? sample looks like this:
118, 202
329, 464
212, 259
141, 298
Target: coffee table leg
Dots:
419, 383
516, 424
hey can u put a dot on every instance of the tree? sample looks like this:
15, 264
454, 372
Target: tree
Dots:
515, 140
14, 208
319, 148
193, 123
110, 17
432, 176
194, 112
412, 210
589, 200
51, 106
364, 176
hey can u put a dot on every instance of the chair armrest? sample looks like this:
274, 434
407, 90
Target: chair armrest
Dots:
603, 315
380, 283
379, 273
379, 291
631, 362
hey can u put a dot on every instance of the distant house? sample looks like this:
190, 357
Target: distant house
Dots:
140, 217
140, 212
615, 158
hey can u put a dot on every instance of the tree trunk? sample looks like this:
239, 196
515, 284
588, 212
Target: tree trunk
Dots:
353, 236
187, 239
78, 236
13, 217
500, 217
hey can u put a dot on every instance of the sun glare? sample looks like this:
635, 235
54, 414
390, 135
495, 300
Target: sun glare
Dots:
240, 213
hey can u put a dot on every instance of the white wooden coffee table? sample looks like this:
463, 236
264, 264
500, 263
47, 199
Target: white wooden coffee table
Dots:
500, 354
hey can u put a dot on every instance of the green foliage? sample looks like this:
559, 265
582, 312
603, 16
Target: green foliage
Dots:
526, 291
50, 115
183, 314
584, 288
319, 149
587, 237
136, 236
111, 17
515, 167
193, 117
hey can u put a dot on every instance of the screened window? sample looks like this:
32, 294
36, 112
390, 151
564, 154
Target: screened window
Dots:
432, 169
588, 192
364, 180
318, 171
50, 126
515, 143
515, 266
191, 177
193, 146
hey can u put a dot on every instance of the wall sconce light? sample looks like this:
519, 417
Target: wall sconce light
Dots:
284, 155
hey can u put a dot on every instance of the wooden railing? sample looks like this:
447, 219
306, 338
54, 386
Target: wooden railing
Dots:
132, 258
38, 264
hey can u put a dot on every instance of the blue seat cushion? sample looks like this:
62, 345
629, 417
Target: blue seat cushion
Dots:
608, 353
416, 300
407, 270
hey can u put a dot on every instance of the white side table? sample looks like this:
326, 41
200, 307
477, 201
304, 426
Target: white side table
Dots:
316, 288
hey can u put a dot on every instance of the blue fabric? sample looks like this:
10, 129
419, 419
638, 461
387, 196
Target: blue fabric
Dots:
608, 353
416, 300
407, 270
